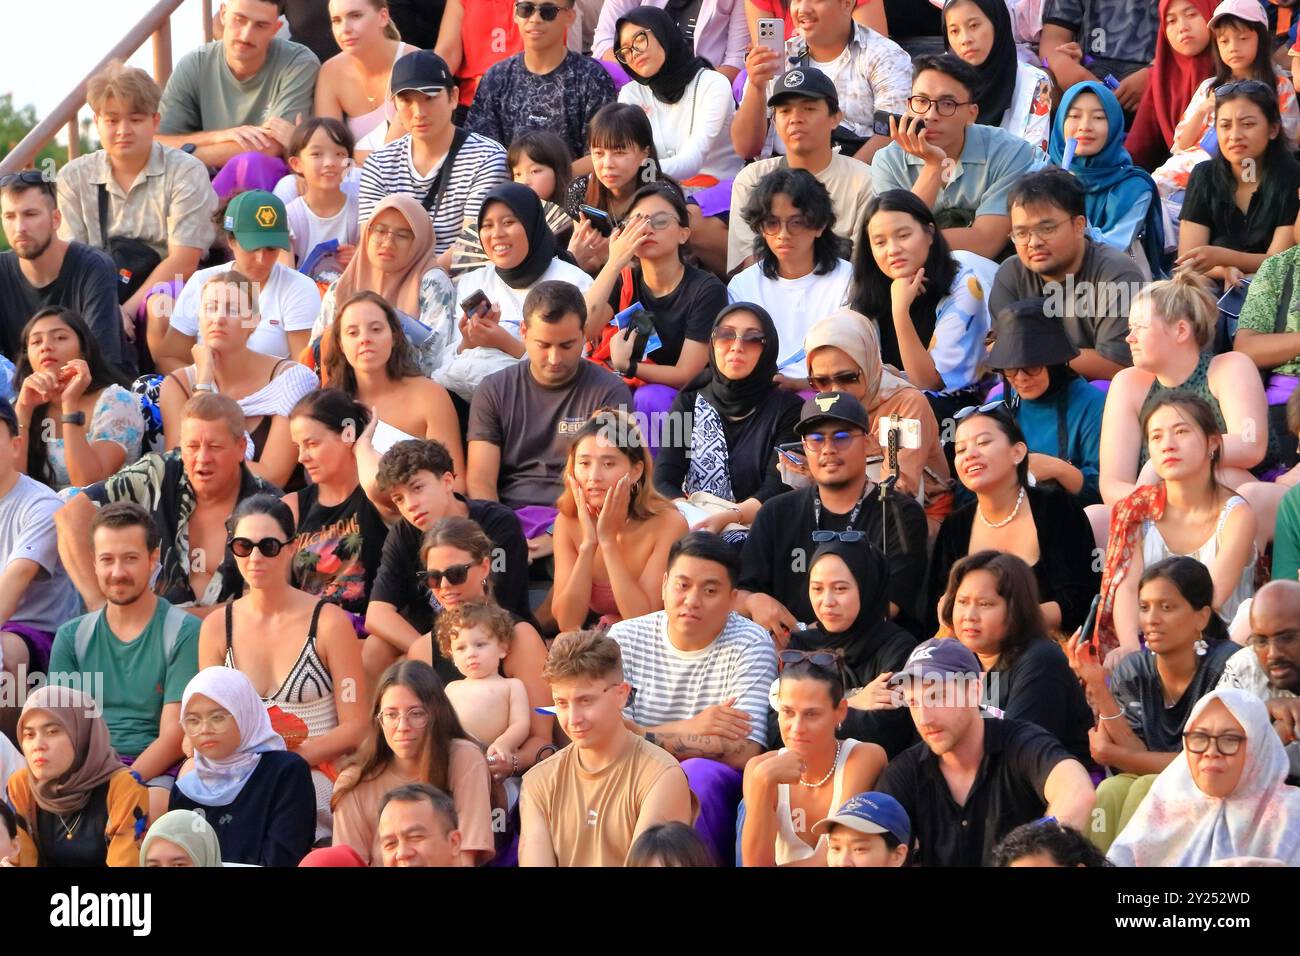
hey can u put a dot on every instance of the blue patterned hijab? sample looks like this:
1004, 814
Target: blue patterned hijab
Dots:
1113, 183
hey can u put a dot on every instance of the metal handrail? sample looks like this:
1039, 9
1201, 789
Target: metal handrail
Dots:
156, 24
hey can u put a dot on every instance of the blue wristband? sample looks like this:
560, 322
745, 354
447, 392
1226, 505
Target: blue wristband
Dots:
138, 779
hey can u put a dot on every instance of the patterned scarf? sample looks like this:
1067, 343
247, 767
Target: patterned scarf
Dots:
1145, 504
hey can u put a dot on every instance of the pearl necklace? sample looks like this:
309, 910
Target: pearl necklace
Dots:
1008, 519
834, 763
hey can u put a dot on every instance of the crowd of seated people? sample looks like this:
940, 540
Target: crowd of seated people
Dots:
816, 432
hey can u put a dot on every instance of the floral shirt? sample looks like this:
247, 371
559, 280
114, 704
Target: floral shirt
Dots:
116, 418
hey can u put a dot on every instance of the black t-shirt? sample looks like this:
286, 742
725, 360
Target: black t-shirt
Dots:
1040, 688
1137, 689
908, 18
272, 820
780, 545
685, 313
85, 845
339, 548
1251, 231
1008, 791
86, 284
396, 583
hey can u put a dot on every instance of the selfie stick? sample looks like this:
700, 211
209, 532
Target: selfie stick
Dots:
887, 483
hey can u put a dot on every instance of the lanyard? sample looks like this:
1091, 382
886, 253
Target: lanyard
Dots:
853, 515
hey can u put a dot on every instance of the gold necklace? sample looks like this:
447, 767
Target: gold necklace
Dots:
68, 830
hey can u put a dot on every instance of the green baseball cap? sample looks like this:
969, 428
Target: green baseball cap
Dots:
257, 220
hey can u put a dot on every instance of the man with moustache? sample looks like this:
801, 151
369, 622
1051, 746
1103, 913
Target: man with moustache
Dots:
139, 647
1269, 665
840, 504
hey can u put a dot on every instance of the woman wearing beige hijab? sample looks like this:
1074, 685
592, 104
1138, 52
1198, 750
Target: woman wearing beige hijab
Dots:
844, 356
395, 258
77, 804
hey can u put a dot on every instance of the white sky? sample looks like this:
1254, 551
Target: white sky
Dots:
46, 50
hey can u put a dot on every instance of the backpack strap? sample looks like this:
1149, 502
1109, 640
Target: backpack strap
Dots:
434, 196
85, 630
1284, 301
103, 216
172, 625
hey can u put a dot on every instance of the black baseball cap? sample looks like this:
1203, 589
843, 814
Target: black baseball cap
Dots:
832, 407
422, 71
808, 82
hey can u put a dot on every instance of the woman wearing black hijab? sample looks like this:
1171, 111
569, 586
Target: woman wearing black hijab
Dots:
690, 105
848, 587
1011, 94
738, 416
521, 252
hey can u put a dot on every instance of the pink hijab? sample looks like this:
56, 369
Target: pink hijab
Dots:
400, 287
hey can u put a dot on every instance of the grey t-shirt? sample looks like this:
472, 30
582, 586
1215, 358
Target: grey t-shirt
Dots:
203, 94
27, 531
1093, 304
533, 425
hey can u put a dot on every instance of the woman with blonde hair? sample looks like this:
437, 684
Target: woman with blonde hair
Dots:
353, 86
613, 530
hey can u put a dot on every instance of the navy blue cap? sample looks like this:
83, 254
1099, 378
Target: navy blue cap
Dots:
832, 407
871, 812
939, 657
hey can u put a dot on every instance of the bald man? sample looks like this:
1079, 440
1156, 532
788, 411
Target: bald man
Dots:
1269, 666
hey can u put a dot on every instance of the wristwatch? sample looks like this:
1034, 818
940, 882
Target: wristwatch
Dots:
76, 418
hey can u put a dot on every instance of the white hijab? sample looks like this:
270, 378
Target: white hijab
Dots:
1179, 825
215, 783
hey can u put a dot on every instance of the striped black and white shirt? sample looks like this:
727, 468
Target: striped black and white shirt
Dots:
676, 685
479, 166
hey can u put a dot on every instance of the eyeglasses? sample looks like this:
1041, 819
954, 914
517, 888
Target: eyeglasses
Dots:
639, 43
1029, 371
243, 547
946, 105
659, 221
748, 337
826, 658
824, 383
416, 718
1044, 230
1197, 742
1283, 642
1243, 86
456, 574
795, 225
848, 537
194, 724
548, 11
380, 233
815, 441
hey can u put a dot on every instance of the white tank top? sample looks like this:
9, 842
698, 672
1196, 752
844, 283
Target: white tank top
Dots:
789, 847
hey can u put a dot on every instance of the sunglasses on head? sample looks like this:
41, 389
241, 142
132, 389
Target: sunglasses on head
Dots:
455, 575
549, 11
824, 383
826, 658
848, 537
243, 547
1243, 86
28, 177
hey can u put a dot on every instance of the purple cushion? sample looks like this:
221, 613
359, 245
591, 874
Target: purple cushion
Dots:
621, 79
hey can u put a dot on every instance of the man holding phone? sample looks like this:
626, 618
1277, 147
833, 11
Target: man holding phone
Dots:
961, 170
841, 503
805, 111
869, 71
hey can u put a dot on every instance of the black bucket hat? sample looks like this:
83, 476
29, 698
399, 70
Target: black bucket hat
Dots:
1028, 337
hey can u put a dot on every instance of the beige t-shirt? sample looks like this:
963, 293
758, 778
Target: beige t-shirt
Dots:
356, 819
848, 180
592, 816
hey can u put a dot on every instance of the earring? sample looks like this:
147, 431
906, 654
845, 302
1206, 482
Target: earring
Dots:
1201, 646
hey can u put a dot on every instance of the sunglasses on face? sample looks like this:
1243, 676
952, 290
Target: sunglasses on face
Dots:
456, 574
548, 11
816, 441
795, 225
748, 337
243, 547
826, 383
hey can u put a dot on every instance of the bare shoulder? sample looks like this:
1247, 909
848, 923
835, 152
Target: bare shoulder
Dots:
1232, 368
1129, 385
